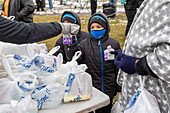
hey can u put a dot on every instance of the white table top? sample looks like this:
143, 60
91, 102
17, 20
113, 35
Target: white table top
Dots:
97, 100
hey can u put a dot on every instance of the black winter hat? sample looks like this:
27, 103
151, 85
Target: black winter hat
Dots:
98, 19
68, 17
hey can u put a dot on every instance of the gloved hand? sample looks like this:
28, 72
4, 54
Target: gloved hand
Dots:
67, 28
125, 63
115, 52
123, 2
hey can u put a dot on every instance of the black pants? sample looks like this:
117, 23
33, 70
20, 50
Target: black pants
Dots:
130, 10
93, 6
39, 5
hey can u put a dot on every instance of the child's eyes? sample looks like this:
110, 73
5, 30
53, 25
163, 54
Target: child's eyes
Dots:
96, 27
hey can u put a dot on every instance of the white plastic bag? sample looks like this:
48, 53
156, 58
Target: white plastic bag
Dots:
5, 108
20, 55
78, 86
49, 96
16, 87
28, 50
60, 75
27, 105
79, 83
142, 102
116, 108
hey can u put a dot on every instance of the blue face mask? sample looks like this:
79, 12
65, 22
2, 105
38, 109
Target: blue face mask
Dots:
98, 34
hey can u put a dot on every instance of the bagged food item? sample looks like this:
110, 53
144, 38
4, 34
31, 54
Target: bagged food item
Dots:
22, 54
142, 102
27, 105
49, 96
78, 85
16, 87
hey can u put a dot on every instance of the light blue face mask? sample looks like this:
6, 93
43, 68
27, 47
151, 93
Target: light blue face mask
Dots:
98, 34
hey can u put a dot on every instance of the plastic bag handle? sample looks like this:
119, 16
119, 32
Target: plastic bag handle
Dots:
80, 69
53, 50
11, 17
33, 81
119, 97
141, 81
7, 67
76, 56
29, 51
59, 60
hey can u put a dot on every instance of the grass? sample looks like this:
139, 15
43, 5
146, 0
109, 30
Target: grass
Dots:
117, 27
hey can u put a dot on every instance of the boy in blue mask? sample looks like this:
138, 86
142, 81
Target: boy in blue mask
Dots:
103, 73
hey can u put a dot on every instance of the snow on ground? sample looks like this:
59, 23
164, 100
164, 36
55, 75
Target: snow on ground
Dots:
70, 6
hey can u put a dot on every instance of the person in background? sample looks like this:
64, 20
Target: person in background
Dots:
93, 6
50, 4
40, 5
130, 10
146, 53
20, 32
114, 2
22, 10
68, 50
104, 73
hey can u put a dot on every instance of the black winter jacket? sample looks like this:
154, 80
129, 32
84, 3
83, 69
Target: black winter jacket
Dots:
19, 32
91, 57
90, 49
68, 50
21, 9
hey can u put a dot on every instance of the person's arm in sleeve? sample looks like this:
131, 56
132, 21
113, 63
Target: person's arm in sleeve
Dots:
19, 32
28, 8
142, 68
132, 65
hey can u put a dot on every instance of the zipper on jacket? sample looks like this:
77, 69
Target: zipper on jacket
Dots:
102, 69
77, 40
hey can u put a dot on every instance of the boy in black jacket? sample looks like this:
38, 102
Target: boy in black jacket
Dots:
103, 73
66, 49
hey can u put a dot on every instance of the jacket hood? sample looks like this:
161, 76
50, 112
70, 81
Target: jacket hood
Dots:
74, 14
105, 17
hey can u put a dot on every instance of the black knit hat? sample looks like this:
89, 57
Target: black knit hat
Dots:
98, 19
68, 17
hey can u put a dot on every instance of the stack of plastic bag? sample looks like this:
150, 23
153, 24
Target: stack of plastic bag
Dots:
27, 51
78, 83
29, 74
26, 105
